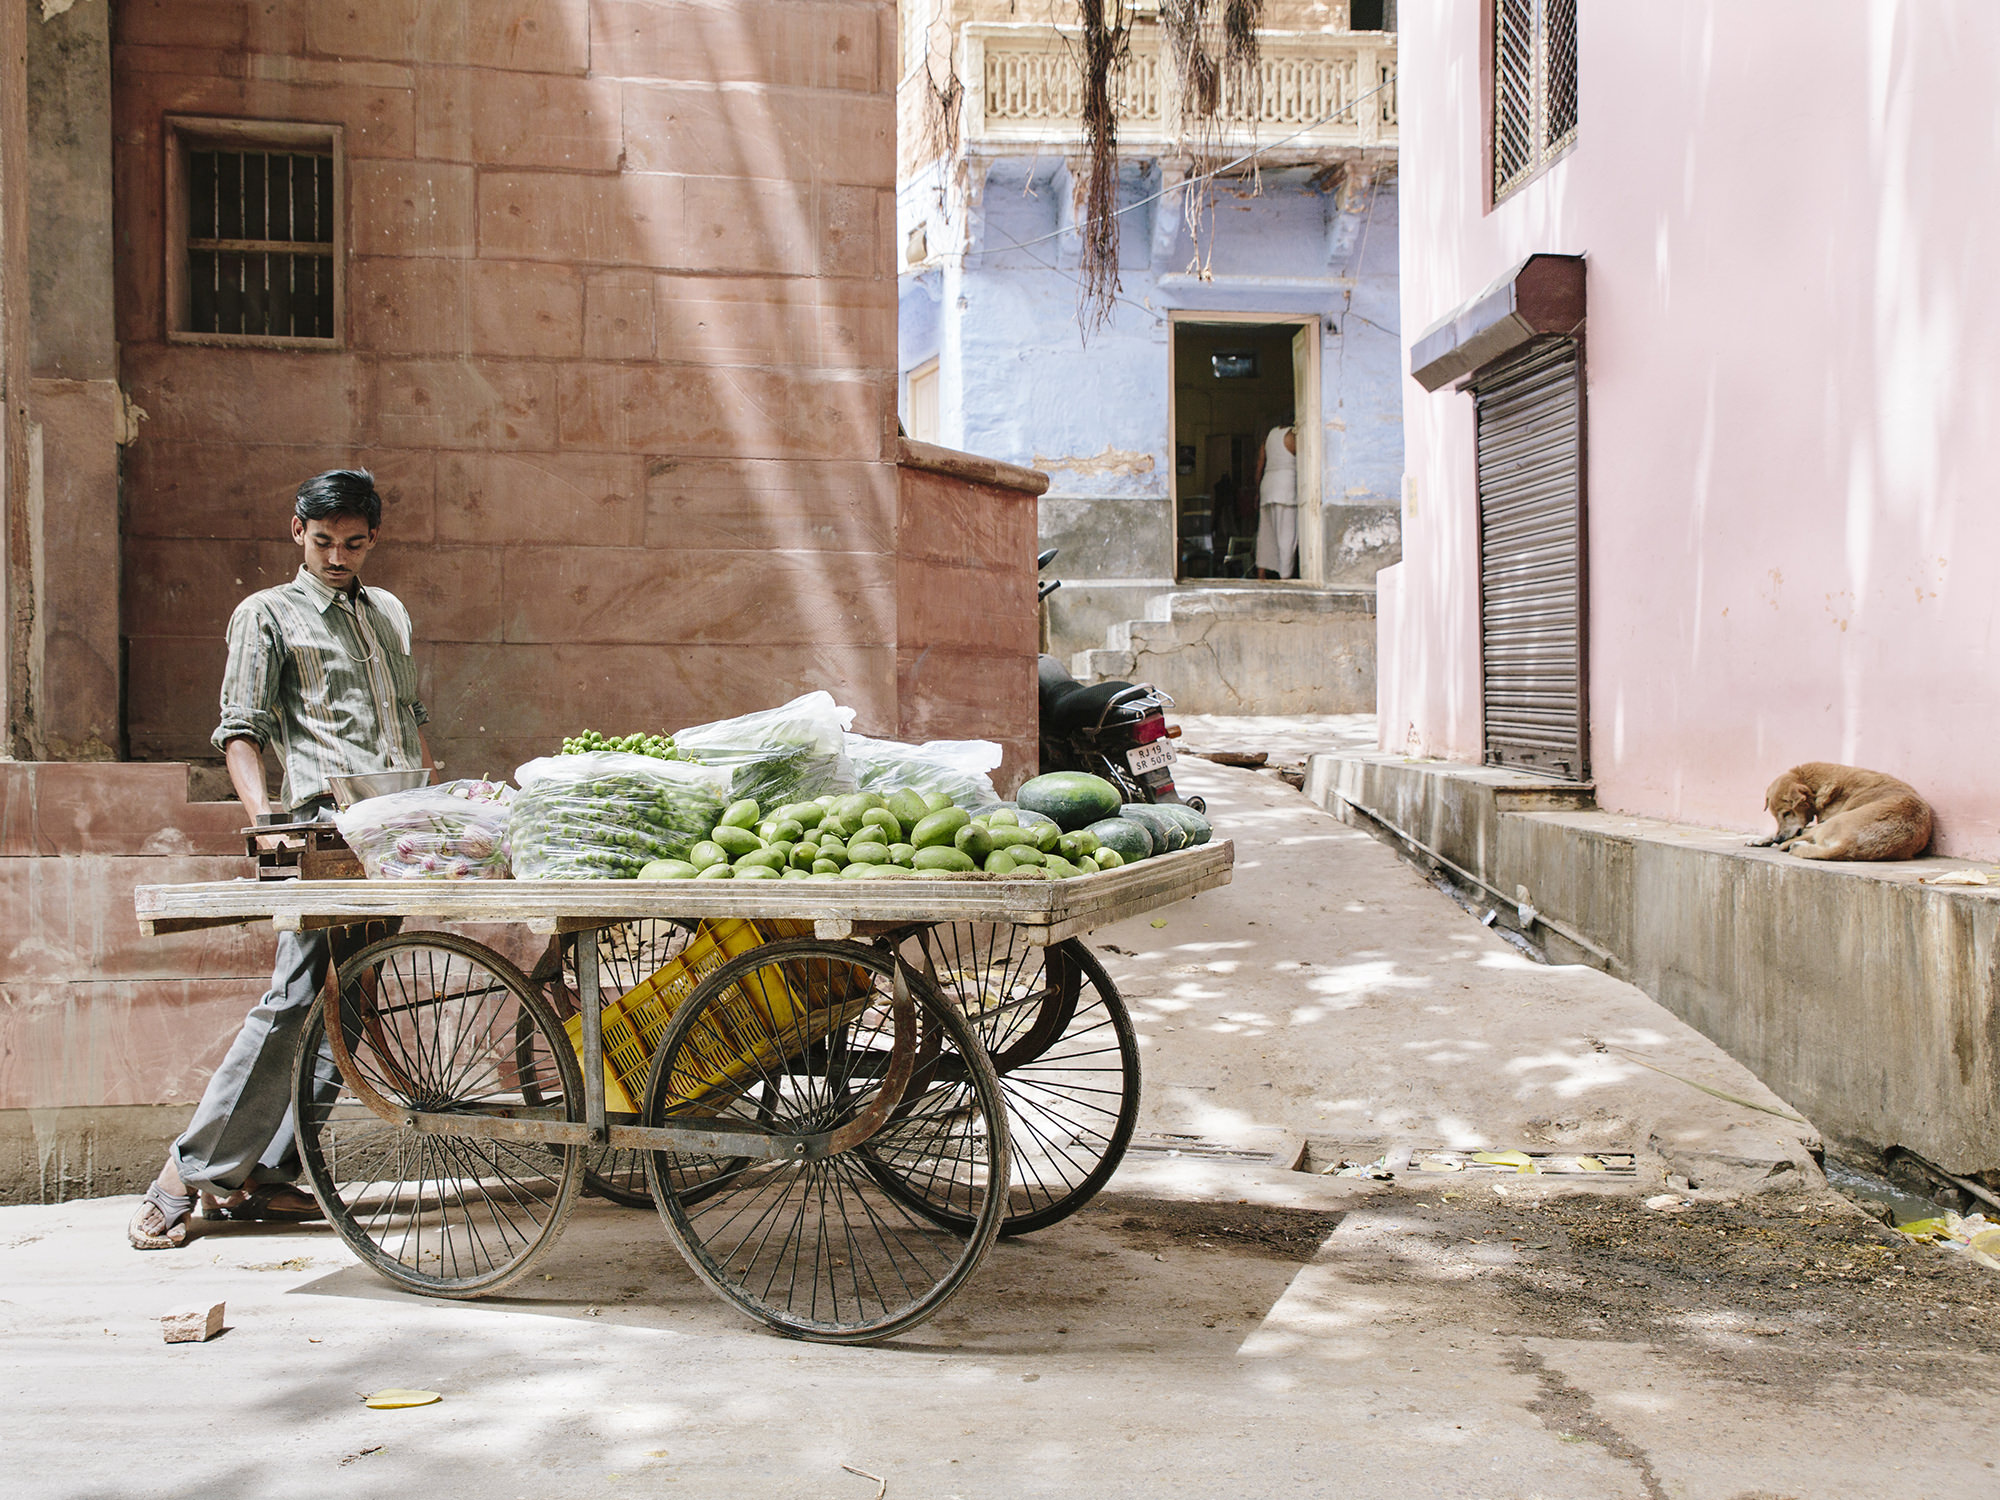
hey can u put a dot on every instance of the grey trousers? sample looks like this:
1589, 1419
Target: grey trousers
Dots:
243, 1131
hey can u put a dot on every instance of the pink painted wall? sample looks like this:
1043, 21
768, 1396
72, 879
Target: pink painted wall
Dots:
1793, 353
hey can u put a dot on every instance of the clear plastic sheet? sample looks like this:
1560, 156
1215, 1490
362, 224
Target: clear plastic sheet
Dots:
457, 831
792, 753
957, 768
607, 814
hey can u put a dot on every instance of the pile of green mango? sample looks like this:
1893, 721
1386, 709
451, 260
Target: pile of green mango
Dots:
871, 835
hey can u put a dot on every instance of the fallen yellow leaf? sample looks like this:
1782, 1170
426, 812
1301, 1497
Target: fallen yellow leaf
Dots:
1520, 1161
395, 1400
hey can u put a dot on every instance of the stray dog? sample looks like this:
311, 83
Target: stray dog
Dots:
1826, 811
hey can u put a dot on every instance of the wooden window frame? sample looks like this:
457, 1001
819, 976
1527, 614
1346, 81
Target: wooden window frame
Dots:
184, 133
1545, 154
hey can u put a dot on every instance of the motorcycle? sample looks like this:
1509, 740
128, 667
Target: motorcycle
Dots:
1117, 730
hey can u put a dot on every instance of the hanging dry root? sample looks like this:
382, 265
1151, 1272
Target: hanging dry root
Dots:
1107, 30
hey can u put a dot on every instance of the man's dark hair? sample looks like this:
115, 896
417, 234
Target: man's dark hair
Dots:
339, 492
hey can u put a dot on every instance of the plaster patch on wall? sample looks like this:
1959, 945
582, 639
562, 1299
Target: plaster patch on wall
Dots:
1110, 461
53, 8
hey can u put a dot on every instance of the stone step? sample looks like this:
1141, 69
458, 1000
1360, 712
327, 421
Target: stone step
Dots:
1102, 663
1257, 648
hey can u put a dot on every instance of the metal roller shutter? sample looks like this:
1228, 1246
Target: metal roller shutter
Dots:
1531, 602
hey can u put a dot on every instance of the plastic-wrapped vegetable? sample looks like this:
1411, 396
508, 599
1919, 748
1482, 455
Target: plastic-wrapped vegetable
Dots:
957, 768
791, 753
457, 831
606, 815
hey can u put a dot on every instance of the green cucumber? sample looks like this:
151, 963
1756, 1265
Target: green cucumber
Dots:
669, 869
755, 872
707, 853
805, 814
939, 857
867, 852
1108, 858
999, 862
939, 827
768, 859
908, 806
1083, 841
882, 818
974, 841
735, 838
900, 854
743, 814
717, 872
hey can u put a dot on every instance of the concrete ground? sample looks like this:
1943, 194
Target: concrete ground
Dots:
1215, 1324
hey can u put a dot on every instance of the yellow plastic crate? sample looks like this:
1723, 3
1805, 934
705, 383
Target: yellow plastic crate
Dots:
759, 1023
636, 1020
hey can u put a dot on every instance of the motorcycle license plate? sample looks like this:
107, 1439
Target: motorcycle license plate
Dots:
1154, 757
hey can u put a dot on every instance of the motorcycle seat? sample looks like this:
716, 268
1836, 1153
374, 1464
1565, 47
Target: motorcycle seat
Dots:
1069, 704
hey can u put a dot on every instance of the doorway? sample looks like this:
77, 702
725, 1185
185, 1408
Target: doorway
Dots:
1235, 377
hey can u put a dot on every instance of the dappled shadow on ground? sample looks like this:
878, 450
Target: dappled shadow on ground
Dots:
1125, 1274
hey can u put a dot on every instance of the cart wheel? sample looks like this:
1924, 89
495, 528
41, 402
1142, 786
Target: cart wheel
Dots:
626, 954
806, 1037
1060, 1038
438, 1023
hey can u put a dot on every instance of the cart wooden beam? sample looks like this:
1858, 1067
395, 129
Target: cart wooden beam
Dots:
1046, 911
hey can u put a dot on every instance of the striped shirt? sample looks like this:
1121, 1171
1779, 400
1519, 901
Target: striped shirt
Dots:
325, 676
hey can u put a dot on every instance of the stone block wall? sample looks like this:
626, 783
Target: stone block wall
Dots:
105, 1035
968, 621
619, 344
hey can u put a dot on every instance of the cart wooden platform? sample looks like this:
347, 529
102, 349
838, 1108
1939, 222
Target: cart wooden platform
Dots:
836, 1093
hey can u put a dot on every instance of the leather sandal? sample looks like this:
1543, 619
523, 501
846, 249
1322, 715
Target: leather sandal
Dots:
162, 1220
256, 1207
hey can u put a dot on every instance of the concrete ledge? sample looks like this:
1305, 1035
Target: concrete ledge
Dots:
911, 454
54, 1155
1868, 1000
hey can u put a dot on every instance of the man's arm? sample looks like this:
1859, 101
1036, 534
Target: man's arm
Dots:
245, 760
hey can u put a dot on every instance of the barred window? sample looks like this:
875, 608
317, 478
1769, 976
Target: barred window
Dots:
254, 248
1534, 88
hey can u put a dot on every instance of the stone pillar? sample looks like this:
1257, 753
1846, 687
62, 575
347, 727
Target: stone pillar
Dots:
13, 350
77, 416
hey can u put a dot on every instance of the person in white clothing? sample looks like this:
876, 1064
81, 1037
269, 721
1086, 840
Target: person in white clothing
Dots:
1278, 504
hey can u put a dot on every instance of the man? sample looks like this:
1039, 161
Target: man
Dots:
319, 667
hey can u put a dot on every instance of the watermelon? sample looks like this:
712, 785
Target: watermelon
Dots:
1168, 832
1196, 825
1130, 839
1075, 799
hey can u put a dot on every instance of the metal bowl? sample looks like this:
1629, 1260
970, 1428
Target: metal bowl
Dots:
348, 790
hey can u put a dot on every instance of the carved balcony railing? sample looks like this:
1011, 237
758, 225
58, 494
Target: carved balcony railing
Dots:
1315, 91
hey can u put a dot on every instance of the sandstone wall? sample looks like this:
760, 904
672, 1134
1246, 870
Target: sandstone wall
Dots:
619, 343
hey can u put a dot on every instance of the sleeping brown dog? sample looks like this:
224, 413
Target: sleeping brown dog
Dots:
1826, 811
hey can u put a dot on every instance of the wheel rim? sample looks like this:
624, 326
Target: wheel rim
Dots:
438, 1024
820, 1249
1062, 1043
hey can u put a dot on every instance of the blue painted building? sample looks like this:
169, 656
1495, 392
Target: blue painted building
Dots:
1281, 311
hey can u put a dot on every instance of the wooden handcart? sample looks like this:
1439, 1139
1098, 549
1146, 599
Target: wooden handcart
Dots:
836, 1093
